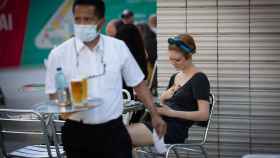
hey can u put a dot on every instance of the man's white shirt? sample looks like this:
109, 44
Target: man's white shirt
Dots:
108, 87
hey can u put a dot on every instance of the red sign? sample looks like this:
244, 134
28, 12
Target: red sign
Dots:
13, 20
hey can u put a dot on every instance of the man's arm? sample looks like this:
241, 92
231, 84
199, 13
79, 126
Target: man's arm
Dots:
143, 93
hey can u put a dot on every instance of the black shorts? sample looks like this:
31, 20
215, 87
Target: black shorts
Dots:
107, 140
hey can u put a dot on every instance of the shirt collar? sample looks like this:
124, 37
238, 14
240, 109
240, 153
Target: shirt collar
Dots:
98, 48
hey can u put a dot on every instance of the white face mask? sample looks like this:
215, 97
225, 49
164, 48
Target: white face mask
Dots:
86, 33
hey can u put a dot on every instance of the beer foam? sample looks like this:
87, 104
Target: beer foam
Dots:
76, 79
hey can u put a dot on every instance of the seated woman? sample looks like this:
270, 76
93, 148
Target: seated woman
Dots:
185, 101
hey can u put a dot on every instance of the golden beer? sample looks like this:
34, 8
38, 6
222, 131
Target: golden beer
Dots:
79, 90
76, 91
85, 89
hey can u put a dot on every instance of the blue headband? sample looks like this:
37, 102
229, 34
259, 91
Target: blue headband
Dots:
179, 43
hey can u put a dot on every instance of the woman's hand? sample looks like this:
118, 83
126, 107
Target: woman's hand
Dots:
165, 111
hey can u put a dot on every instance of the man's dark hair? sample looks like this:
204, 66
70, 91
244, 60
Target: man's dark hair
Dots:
98, 4
126, 14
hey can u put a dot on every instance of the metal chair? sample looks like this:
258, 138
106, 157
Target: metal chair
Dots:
261, 156
19, 129
126, 98
2, 98
194, 146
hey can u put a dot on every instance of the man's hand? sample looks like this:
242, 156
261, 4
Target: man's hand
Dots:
65, 116
146, 97
159, 125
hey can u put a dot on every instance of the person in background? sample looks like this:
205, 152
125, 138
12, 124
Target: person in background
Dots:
111, 29
186, 99
127, 17
113, 26
100, 131
153, 23
150, 43
133, 39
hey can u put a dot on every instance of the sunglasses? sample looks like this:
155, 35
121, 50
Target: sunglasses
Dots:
103, 72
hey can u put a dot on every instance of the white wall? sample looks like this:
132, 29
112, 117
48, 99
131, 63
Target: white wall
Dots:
238, 48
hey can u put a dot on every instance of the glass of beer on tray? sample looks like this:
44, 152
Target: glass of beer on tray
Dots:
79, 91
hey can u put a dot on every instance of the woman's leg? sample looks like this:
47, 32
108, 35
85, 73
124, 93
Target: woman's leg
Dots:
140, 134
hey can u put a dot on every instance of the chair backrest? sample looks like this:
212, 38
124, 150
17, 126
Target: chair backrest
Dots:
126, 95
206, 124
212, 105
126, 99
18, 130
2, 98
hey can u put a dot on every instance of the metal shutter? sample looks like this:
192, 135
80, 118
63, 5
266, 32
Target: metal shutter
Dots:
238, 45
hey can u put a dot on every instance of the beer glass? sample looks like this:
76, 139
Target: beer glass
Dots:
85, 90
79, 91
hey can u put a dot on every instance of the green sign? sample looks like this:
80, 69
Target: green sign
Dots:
50, 23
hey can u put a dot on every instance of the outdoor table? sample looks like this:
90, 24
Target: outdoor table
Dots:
49, 109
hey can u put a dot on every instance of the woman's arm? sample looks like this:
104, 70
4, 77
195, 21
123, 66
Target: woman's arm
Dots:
202, 114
